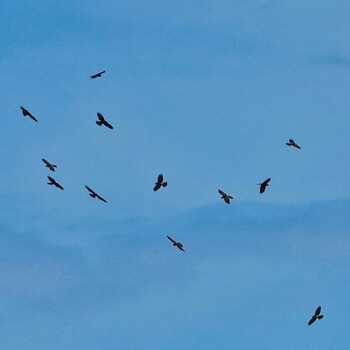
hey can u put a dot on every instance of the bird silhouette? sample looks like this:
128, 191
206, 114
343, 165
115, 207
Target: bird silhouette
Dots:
97, 75
316, 316
25, 112
49, 165
292, 143
176, 244
160, 183
93, 194
54, 182
264, 184
225, 196
103, 121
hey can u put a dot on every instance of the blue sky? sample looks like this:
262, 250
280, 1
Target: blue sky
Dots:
208, 94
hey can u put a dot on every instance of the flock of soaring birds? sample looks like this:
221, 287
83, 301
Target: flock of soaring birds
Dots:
159, 184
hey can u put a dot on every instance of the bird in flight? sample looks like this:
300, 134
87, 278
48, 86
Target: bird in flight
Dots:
93, 194
103, 121
176, 244
264, 184
160, 183
54, 182
225, 196
49, 165
97, 75
292, 143
25, 112
316, 316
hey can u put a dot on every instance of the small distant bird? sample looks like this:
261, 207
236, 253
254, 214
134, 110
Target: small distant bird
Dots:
98, 75
316, 316
160, 183
54, 182
292, 143
225, 196
103, 121
25, 112
264, 184
176, 244
93, 194
49, 165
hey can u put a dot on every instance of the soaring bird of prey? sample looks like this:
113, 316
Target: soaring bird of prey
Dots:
264, 184
93, 194
292, 143
160, 183
103, 121
176, 244
49, 165
54, 182
97, 75
316, 316
25, 112
225, 196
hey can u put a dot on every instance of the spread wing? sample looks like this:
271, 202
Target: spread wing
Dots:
266, 181
100, 198
313, 319
90, 190
58, 185
100, 117
51, 179
318, 311
97, 74
108, 125
222, 193
32, 117
181, 248
157, 187
170, 239
262, 188
46, 162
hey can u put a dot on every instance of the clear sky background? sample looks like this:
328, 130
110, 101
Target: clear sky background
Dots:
206, 93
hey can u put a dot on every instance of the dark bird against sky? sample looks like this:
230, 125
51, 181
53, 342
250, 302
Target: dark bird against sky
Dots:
292, 143
54, 182
103, 121
176, 244
49, 165
225, 196
97, 75
25, 112
316, 316
264, 184
93, 194
160, 183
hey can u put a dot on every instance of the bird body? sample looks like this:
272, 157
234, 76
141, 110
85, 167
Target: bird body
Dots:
49, 165
26, 113
160, 183
97, 75
264, 184
54, 182
93, 194
103, 121
317, 316
293, 143
225, 196
176, 244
